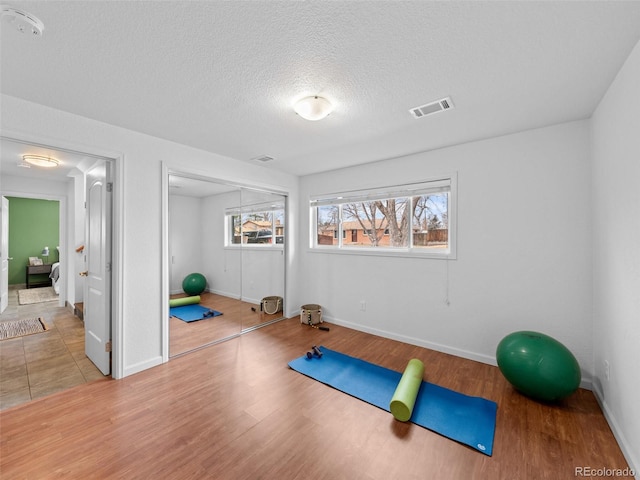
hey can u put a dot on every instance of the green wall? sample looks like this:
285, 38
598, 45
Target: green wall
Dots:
33, 224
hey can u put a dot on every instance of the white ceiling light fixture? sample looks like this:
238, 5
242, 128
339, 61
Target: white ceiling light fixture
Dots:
313, 108
40, 161
22, 21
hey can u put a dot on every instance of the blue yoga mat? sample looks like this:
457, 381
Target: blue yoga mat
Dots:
191, 313
468, 420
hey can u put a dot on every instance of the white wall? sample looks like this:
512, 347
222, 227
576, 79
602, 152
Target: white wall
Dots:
34, 187
138, 194
262, 273
523, 258
223, 265
615, 133
185, 239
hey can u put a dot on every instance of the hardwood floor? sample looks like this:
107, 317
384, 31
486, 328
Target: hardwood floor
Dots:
236, 316
38, 365
236, 411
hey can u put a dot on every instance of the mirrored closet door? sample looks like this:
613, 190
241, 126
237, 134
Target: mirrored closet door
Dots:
235, 237
259, 229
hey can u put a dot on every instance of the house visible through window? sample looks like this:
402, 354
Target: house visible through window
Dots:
414, 219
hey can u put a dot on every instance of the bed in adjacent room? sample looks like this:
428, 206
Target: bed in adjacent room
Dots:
55, 277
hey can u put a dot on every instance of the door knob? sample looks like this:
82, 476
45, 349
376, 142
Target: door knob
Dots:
84, 274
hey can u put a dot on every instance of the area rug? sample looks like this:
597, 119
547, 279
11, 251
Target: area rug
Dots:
465, 419
20, 328
192, 313
28, 296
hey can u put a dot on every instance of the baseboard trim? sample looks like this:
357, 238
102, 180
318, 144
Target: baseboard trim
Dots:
629, 455
251, 300
585, 383
478, 357
224, 294
139, 367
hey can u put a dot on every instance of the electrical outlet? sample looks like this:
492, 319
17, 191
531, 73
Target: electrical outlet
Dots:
363, 306
607, 370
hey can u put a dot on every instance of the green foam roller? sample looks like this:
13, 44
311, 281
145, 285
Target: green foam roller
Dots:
404, 398
180, 302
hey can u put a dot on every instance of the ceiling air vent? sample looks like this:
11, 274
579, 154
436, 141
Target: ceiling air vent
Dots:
262, 159
433, 107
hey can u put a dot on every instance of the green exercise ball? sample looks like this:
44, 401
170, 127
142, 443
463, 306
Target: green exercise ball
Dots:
194, 284
538, 365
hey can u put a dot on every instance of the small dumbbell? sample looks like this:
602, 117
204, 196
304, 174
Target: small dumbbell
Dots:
317, 351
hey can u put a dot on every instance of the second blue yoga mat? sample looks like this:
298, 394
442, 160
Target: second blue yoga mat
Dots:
465, 419
191, 313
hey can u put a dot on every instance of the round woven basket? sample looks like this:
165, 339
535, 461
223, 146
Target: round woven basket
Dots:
311, 314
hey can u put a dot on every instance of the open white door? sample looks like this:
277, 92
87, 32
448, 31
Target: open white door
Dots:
97, 288
4, 255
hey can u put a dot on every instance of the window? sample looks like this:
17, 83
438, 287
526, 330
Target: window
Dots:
259, 225
415, 219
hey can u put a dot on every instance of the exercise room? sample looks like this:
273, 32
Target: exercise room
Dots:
333, 239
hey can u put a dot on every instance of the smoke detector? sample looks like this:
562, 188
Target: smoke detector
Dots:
22, 21
431, 108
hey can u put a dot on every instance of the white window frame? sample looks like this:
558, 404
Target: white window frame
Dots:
447, 182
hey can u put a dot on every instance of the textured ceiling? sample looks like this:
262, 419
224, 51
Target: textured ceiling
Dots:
222, 76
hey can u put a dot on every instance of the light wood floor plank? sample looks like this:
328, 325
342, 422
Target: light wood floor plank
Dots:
236, 411
236, 316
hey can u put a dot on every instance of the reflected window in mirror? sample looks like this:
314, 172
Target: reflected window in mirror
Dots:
256, 225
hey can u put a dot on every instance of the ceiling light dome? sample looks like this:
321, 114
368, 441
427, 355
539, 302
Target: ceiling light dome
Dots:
40, 161
313, 108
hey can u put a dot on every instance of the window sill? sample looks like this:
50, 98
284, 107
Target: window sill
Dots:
256, 246
385, 252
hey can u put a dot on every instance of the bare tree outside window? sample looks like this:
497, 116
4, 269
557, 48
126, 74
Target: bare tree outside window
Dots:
328, 219
431, 220
417, 223
380, 216
236, 226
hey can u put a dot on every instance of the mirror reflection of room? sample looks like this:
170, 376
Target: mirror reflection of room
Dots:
226, 261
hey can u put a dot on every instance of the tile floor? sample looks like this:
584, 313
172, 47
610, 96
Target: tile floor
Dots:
37, 365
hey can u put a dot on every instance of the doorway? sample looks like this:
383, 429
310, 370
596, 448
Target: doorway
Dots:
52, 360
32, 225
66, 183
